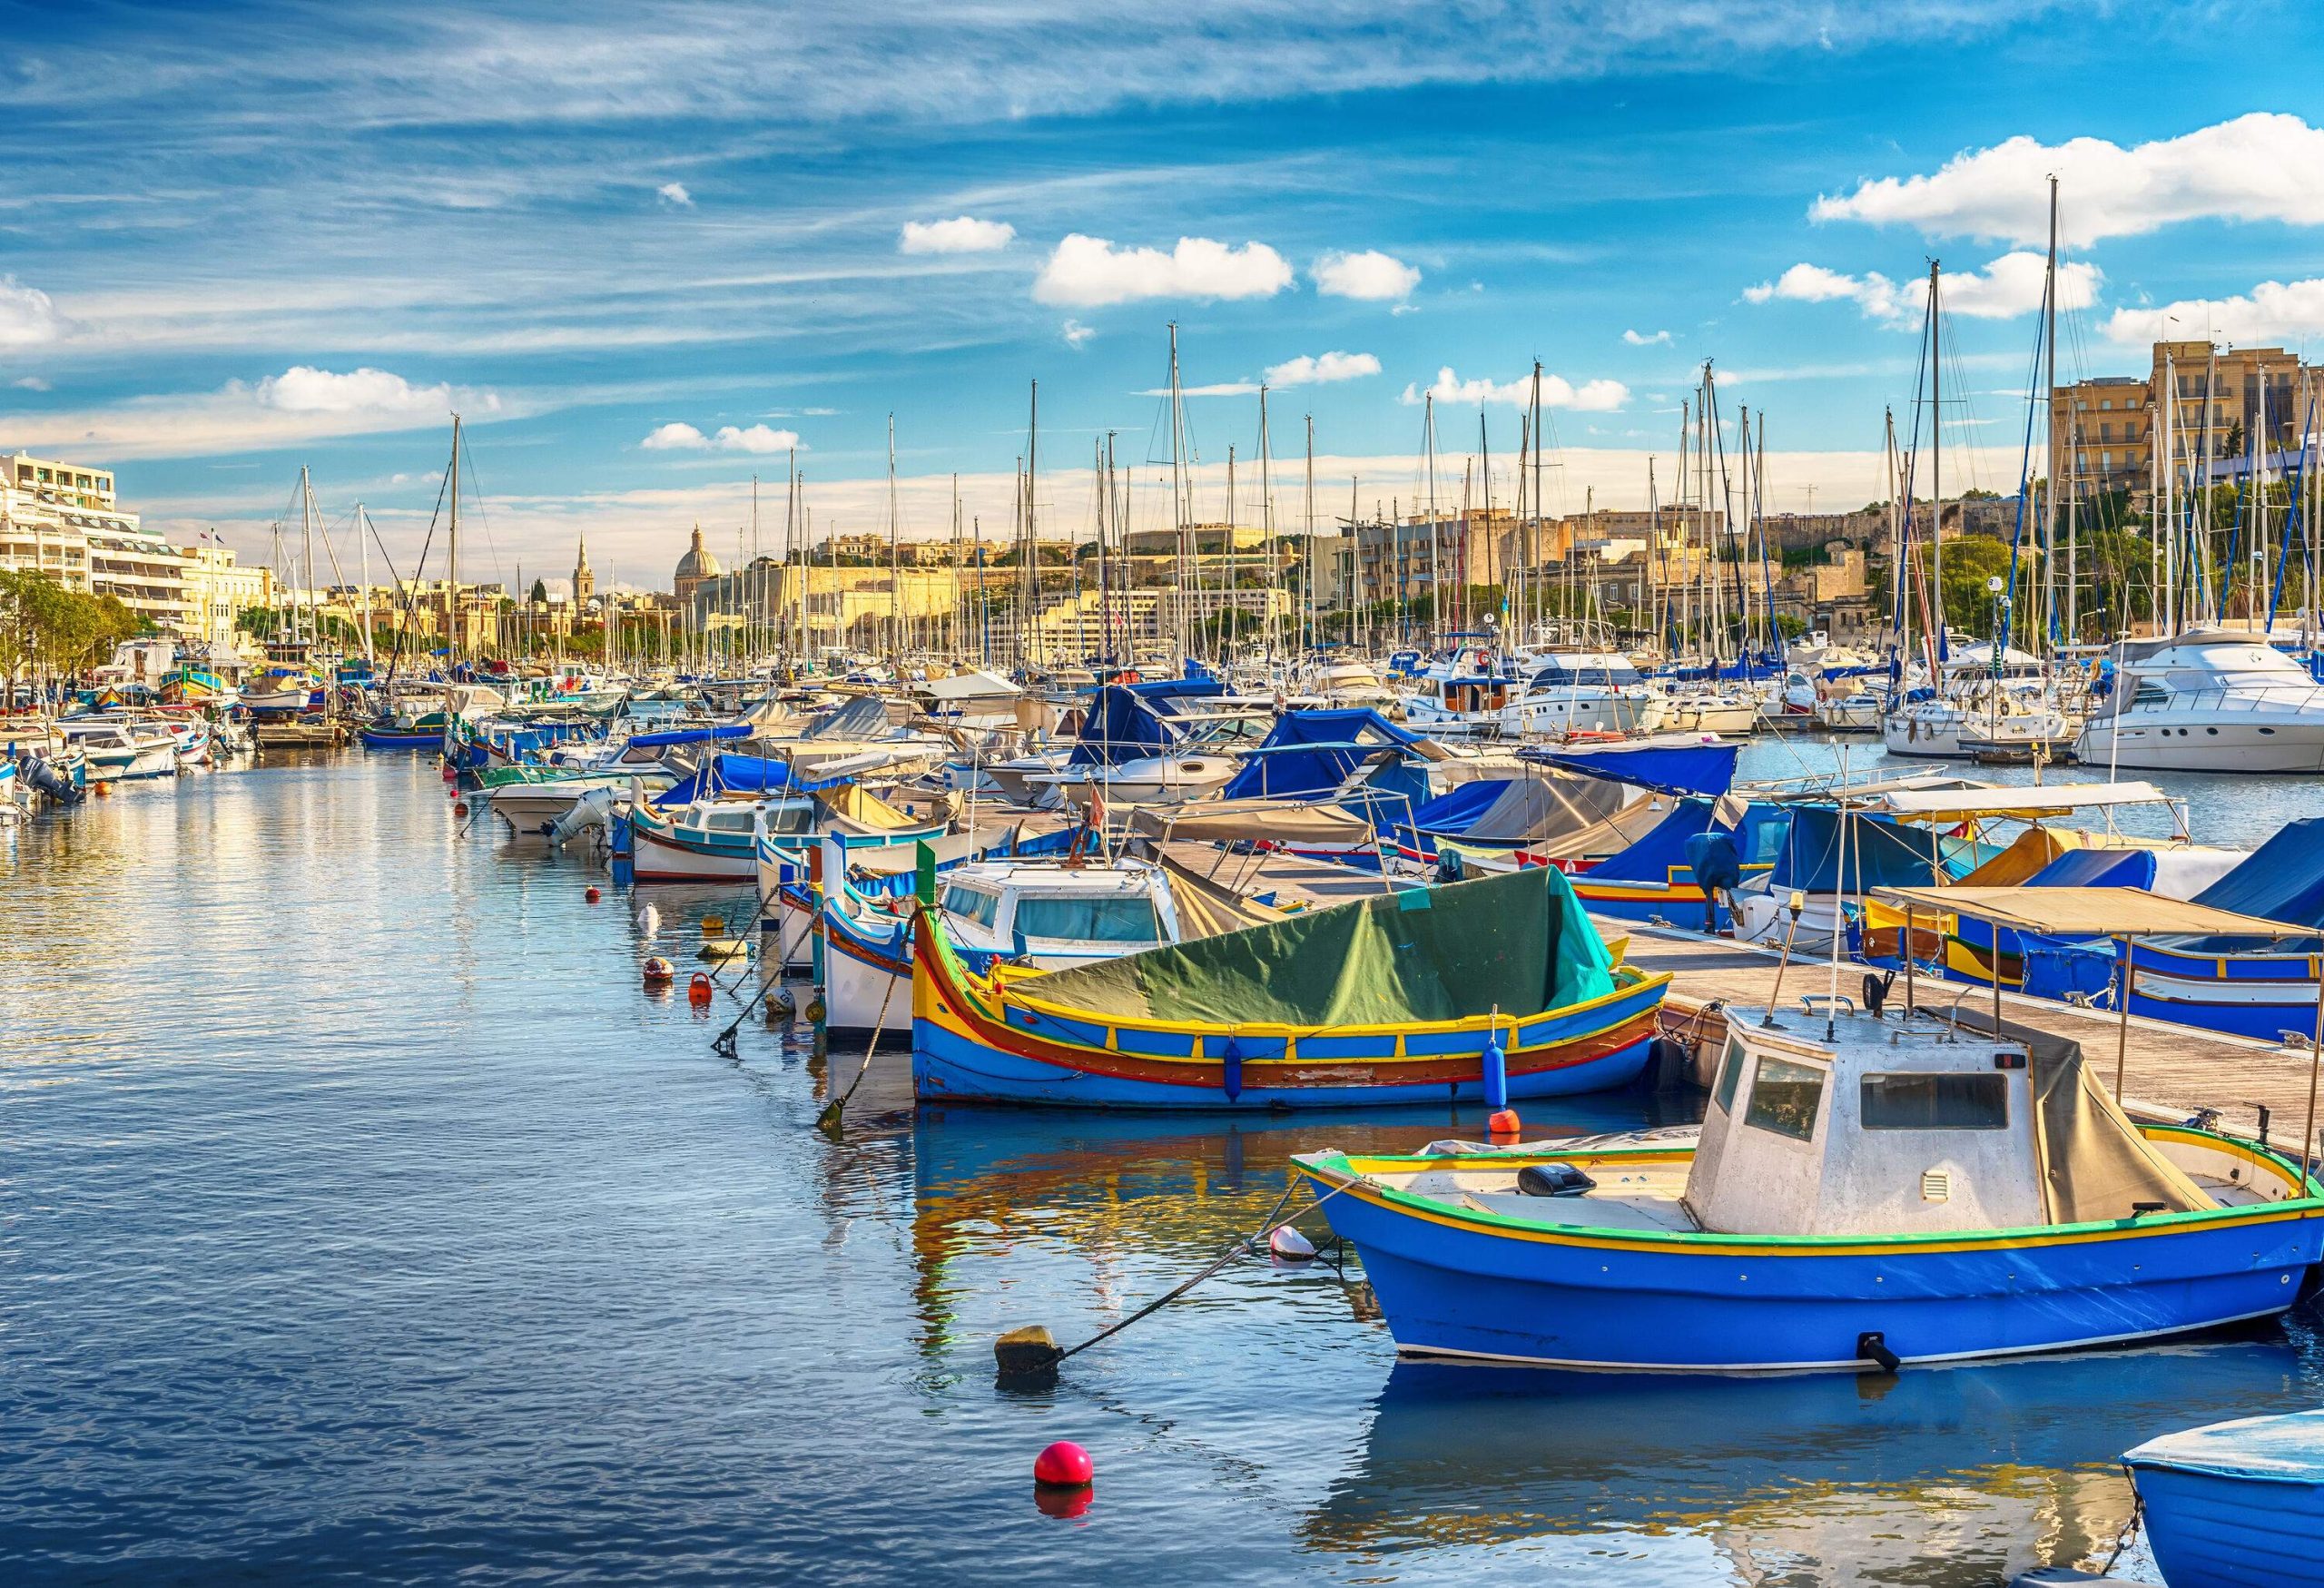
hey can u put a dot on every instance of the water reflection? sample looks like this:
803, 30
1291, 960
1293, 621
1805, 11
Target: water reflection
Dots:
1945, 1475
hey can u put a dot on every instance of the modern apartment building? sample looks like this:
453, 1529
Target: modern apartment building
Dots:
62, 520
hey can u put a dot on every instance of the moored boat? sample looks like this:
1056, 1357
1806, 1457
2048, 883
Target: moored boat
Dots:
1869, 1189
2236, 1504
1441, 996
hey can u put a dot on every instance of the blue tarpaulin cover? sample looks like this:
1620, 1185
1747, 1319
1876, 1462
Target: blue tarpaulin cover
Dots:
2282, 880
1686, 766
730, 775
1310, 753
691, 736
1881, 853
1121, 727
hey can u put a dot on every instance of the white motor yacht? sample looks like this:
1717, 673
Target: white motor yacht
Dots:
2208, 700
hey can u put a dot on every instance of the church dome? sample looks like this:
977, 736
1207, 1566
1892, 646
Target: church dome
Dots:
697, 564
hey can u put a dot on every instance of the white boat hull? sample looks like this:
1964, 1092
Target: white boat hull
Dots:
2175, 743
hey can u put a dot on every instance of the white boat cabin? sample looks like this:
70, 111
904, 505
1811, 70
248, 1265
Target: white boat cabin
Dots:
1057, 916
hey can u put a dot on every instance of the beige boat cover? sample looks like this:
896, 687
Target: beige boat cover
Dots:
1206, 909
1272, 820
2033, 849
853, 806
2090, 911
2094, 1163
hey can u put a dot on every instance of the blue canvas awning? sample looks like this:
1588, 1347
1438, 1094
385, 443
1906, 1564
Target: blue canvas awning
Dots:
1674, 765
1121, 727
730, 775
1310, 753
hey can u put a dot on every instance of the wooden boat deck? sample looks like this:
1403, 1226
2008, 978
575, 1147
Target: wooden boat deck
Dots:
2169, 1071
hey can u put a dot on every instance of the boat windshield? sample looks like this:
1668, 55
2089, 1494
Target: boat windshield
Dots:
1120, 918
972, 904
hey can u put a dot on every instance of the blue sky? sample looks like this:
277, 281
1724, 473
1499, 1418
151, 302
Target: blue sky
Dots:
639, 246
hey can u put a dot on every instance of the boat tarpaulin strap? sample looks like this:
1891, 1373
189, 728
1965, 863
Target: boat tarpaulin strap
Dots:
1518, 941
2095, 1166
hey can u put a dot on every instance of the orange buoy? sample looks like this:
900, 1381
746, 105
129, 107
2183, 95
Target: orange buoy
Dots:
698, 988
104, 791
460, 807
659, 972
1503, 1125
592, 895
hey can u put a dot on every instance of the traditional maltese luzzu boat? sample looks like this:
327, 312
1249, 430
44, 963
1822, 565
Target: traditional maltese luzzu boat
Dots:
1867, 1190
1461, 993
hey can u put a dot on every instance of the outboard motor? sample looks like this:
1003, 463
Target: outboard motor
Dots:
39, 775
1717, 870
591, 810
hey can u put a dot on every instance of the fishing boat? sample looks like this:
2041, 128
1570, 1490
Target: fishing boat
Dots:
2260, 985
1430, 995
2235, 1504
1036, 912
1871, 1189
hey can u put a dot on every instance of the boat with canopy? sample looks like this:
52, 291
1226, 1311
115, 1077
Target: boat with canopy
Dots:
1442, 995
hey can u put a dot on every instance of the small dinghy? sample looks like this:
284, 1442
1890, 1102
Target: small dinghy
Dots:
2236, 1504
1870, 1189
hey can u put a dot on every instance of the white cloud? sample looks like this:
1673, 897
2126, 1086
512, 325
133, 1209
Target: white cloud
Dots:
2008, 286
1089, 272
1371, 275
29, 383
28, 316
759, 439
2274, 311
961, 234
676, 438
302, 388
2258, 167
675, 193
1647, 339
1557, 391
1076, 333
300, 405
1321, 369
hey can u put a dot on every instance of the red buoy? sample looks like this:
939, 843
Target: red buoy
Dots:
1064, 1465
698, 989
460, 807
593, 895
1505, 1124
450, 772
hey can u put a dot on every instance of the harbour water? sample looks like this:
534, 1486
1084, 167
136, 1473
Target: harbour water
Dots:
361, 1219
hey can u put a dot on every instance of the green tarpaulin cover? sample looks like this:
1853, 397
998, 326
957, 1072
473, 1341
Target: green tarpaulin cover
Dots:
1519, 942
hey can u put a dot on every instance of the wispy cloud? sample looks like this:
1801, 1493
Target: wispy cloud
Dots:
961, 234
1089, 272
302, 404
1076, 334
2258, 167
675, 192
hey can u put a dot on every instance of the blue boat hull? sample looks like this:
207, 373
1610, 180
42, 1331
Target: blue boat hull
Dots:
2209, 1530
1447, 1289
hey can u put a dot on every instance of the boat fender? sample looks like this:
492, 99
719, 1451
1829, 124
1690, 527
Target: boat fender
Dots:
1287, 1244
1872, 1346
1230, 1064
1666, 1064
1553, 1180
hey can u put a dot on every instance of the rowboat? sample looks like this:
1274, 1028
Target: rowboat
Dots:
1440, 995
2236, 1503
1868, 1190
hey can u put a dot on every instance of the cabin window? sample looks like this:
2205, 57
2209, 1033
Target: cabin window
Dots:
728, 822
1126, 919
1730, 1071
1785, 1097
1935, 1102
972, 904
791, 818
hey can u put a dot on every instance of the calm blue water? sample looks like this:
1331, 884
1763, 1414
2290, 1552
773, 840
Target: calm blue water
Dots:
361, 1220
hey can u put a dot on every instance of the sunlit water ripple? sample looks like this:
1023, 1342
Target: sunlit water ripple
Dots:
360, 1218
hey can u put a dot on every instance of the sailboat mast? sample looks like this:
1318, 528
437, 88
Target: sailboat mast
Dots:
452, 637
2050, 296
